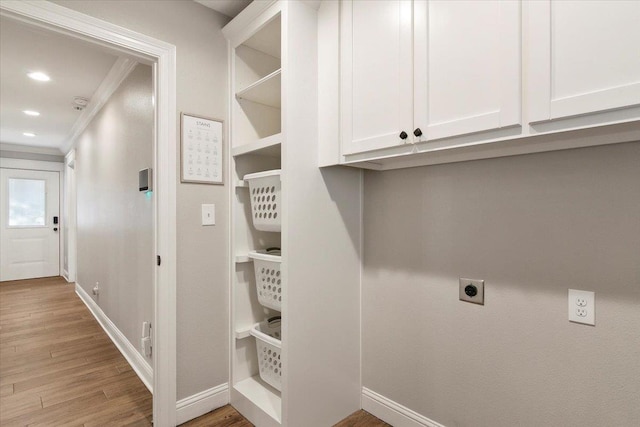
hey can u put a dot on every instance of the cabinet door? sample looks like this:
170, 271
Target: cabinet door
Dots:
584, 57
376, 74
467, 66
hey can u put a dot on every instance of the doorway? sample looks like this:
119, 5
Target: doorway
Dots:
162, 57
29, 221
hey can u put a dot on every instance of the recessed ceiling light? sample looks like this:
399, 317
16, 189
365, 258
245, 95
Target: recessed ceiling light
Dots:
31, 113
41, 77
29, 134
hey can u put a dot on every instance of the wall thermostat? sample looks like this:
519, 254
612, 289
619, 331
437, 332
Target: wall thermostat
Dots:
145, 180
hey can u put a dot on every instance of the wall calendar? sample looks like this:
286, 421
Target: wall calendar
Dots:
201, 150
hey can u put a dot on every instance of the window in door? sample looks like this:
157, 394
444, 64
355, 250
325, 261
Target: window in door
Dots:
27, 205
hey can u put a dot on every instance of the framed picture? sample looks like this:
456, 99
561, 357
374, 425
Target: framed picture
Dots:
201, 147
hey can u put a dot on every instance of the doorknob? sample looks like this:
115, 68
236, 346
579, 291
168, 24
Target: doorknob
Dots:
55, 228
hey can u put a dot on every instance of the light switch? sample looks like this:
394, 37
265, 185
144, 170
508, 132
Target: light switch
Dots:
208, 214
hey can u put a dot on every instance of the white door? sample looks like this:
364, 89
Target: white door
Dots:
376, 74
467, 67
29, 223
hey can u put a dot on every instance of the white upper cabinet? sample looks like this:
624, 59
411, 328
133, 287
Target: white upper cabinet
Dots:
376, 74
436, 81
584, 57
467, 67
420, 70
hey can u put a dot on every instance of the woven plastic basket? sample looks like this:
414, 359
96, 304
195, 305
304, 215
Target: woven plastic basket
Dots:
266, 265
264, 189
269, 346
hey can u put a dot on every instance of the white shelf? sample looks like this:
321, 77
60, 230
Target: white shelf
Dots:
269, 146
262, 395
265, 91
242, 184
242, 258
242, 333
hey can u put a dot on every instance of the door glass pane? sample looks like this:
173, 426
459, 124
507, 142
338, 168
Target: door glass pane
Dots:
26, 202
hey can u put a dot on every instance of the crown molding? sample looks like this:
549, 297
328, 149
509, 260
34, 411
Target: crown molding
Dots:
118, 72
51, 151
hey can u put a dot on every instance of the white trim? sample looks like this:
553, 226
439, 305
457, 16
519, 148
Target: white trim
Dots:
393, 413
164, 337
135, 359
61, 19
118, 72
200, 403
69, 223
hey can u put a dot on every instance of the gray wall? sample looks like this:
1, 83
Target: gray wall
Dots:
115, 220
532, 226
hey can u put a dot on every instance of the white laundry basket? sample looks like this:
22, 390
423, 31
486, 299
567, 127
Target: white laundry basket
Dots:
269, 344
264, 189
266, 265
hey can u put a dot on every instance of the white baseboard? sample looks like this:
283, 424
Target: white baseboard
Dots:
200, 403
135, 359
393, 413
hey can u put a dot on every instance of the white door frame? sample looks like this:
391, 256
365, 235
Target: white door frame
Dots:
61, 19
69, 214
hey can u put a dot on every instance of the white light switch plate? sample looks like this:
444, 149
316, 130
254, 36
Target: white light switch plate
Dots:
582, 307
208, 214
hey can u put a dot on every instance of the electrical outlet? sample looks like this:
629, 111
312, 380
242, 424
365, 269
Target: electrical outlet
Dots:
471, 290
146, 329
145, 346
582, 307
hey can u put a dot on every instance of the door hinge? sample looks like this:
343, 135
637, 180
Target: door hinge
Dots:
159, 260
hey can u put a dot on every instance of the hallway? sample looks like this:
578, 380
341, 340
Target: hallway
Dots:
57, 366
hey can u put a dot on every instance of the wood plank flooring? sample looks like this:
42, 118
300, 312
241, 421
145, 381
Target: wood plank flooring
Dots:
59, 368
229, 417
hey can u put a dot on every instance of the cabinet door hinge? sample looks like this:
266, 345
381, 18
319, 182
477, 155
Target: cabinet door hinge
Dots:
159, 260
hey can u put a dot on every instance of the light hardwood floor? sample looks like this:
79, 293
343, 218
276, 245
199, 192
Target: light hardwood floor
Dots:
59, 368
229, 417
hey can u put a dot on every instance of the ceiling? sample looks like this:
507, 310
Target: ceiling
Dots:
229, 8
76, 68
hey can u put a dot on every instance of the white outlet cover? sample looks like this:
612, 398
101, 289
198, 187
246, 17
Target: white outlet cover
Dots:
582, 307
478, 298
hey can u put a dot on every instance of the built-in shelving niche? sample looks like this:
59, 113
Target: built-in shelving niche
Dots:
256, 157
257, 100
319, 211
256, 146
